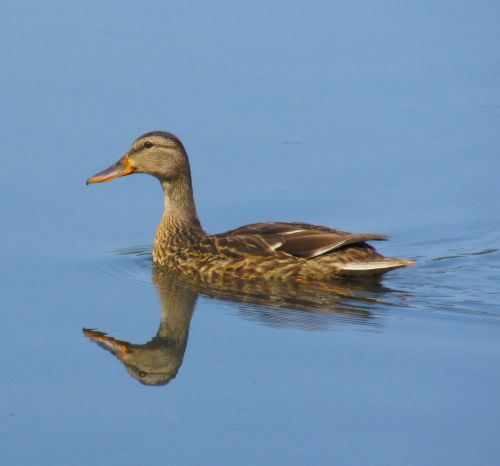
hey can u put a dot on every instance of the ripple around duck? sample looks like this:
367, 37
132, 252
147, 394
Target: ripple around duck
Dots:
132, 263
458, 284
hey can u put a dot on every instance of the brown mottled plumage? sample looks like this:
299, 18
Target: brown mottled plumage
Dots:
276, 250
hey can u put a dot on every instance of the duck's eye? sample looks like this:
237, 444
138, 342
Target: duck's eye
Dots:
142, 374
148, 145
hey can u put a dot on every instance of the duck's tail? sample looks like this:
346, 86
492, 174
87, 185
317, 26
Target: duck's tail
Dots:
377, 267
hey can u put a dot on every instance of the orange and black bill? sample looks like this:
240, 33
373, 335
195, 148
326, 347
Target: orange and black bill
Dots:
120, 168
118, 347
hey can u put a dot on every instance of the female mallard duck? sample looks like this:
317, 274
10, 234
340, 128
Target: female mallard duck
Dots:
277, 250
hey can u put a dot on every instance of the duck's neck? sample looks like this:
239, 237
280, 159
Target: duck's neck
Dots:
180, 224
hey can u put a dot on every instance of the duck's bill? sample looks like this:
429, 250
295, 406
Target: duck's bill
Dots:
120, 168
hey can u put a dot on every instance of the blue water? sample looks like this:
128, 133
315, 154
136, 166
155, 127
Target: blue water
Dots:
368, 117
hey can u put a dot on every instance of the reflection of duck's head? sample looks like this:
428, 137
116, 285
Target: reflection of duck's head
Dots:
153, 363
157, 361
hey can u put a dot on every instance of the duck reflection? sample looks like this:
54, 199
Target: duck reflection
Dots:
277, 304
157, 361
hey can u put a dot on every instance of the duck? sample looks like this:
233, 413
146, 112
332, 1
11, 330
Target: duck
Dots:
289, 251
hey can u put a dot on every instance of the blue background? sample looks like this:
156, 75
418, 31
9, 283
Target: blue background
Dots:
366, 116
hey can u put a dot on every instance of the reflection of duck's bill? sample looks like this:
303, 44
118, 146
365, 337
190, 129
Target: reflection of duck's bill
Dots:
117, 347
120, 168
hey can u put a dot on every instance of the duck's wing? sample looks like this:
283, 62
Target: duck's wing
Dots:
299, 239
244, 245
270, 228
311, 244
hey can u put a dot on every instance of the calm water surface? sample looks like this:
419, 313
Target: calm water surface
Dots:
367, 117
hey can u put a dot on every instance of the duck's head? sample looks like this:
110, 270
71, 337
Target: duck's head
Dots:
158, 153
